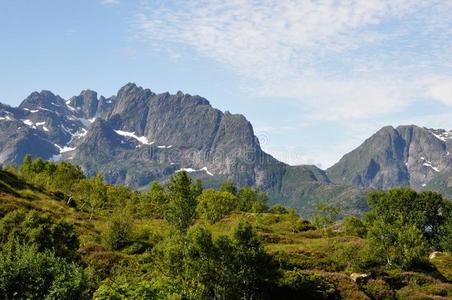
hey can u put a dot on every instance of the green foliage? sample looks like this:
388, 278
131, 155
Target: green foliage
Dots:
379, 289
428, 211
297, 284
180, 210
40, 230
229, 186
252, 200
354, 226
124, 288
397, 244
61, 176
403, 225
129, 252
26, 273
279, 209
324, 216
215, 205
445, 232
120, 229
242, 268
91, 194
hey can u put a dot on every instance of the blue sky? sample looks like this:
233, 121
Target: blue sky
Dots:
315, 78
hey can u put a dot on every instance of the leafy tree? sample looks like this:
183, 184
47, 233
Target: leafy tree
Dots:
229, 186
196, 266
119, 232
197, 188
92, 194
324, 216
40, 230
279, 209
65, 179
252, 200
180, 210
214, 205
154, 200
26, 273
255, 270
297, 284
428, 211
445, 239
354, 226
397, 244
123, 287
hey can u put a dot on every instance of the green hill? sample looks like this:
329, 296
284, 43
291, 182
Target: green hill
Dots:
130, 245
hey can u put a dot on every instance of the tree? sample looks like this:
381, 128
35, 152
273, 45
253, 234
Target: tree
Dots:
428, 211
40, 230
92, 194
397, 244
251, 200
354, 226
229, 186
26, 273
120, 229
255, 271
324, 216
197, 188
180, 210
214, 205
197, 266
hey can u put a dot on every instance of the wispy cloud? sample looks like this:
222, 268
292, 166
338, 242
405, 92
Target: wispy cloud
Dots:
110, 2
348, 58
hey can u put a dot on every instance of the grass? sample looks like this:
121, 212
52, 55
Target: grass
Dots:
282, 235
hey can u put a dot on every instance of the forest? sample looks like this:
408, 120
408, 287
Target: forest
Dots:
66, 236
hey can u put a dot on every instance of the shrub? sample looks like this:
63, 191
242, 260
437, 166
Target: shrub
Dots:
378, 289
354, 226
26, 273
214, 205
119, 232
300, 285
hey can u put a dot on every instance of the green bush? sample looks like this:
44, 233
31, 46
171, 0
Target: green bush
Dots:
120, 230
297, 284
26, 273
39, 229
214, 205
354, 226
378, 289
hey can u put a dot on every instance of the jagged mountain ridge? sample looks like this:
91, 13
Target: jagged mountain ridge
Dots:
408, 156
138, 136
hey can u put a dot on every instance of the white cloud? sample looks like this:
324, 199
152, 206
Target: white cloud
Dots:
334, 56
110, 2
441, 89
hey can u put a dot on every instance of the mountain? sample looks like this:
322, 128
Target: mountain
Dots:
138, 136
408, 156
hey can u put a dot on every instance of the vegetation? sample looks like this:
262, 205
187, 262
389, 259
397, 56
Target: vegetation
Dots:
65, 236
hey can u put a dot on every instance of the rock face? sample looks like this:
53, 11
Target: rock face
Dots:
138, 136
408, 156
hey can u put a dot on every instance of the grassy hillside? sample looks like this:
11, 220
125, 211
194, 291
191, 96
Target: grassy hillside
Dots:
310, 262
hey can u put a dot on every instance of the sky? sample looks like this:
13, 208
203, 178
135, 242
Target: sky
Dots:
315, 78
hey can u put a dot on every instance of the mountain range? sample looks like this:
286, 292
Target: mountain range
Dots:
137, 136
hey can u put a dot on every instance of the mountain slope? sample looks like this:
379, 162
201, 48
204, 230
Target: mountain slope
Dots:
138, 136
403, 156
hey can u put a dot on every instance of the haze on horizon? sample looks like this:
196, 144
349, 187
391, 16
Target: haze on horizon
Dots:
315, 78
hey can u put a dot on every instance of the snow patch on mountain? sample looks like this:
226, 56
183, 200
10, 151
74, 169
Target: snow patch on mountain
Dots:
429, 164
442, 135
191, 170
142, 139
64, 149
